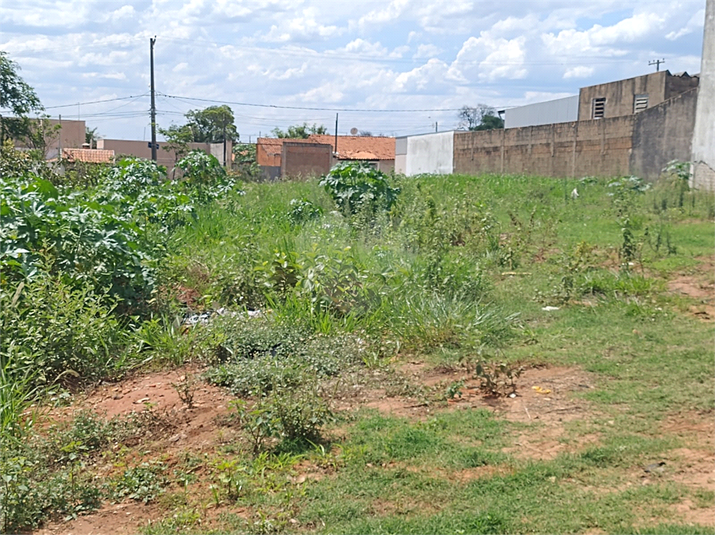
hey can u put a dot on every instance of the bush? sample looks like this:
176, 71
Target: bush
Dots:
357, 187
54, 331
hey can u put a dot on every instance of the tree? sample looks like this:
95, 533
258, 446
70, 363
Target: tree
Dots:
177, 140
212, 125
17, 97
479, 117
91, 137
490, 122
300, 131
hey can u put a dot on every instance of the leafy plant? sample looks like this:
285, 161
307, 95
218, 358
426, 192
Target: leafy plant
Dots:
141, 483
497, 379
302, 210
357, 187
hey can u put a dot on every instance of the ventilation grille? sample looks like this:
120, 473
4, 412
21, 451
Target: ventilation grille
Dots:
599, 108
640, 102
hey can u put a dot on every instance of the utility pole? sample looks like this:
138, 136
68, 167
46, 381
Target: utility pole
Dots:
657, 63
436, 127
153, 102
336, 134
59, 141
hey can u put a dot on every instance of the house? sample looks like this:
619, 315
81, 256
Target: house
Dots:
284, 157
165, 157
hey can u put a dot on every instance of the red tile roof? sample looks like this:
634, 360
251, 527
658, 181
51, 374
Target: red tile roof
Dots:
359, 147
88, 155
269, 150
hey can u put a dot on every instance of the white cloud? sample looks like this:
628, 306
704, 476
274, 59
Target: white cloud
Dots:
427, 51
580, 71
379, 54
695, 23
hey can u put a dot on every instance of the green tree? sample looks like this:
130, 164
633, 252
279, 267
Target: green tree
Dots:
17, 97
300, 131
91, 137
212, 124
490, 122
177, 139
479, 117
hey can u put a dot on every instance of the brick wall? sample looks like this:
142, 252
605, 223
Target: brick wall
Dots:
305, 159
600, 148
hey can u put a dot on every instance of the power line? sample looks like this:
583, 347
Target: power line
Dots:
308, 108
94, 102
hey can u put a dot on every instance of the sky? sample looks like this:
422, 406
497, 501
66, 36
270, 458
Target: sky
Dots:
391, 67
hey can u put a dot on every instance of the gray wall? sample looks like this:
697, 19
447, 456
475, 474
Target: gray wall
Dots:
562, 110
663, 133
430, 153
703, 155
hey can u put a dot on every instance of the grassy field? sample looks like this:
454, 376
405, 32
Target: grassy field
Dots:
444, 354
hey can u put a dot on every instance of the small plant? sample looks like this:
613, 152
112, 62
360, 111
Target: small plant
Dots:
256, 422
497, 379
229, 475
454, 390
186, 388
302, 210
141, 483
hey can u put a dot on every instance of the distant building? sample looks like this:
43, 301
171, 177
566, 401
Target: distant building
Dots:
633, 126
632, 95
561, 110
142, 149
603, 101
315, 155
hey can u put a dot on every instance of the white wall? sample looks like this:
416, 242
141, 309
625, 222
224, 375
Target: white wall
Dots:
704, 132
430, 153
562, 110
400, 164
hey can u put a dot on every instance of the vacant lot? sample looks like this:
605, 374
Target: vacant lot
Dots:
367, 355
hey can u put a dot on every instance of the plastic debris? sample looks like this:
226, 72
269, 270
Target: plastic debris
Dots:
550, 309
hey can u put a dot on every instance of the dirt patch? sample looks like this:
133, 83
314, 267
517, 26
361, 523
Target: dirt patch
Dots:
691, 514
120, 519
698, 284
693, 465
542, 395
692, 286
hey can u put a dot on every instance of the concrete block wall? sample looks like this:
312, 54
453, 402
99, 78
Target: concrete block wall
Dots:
662, 134
599, 148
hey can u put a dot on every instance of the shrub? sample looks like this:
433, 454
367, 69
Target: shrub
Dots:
302, 210
357, 187
54, 331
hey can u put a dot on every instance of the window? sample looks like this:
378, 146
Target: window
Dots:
598, 108
640, 102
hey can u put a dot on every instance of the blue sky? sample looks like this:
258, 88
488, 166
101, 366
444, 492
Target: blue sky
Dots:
430, 55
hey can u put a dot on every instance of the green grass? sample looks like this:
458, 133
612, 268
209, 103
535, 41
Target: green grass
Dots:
460, 269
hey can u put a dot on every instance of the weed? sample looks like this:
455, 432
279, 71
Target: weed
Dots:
497, 379
186, 388
141, 483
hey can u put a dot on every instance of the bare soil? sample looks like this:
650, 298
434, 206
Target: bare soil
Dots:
699, 285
